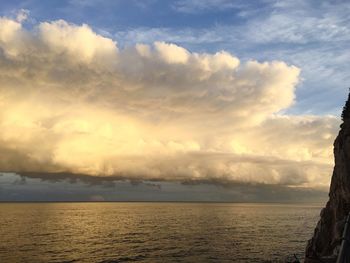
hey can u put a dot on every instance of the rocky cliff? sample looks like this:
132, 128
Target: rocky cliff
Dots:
324, 245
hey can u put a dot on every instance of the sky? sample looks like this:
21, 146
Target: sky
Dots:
208, 100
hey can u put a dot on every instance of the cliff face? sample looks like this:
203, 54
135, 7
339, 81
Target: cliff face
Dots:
324, 245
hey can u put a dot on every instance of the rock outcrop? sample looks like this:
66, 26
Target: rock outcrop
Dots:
324, 245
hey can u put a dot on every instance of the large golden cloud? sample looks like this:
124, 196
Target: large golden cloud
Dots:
71, 100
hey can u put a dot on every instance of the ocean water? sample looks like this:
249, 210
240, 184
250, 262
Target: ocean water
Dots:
154, 232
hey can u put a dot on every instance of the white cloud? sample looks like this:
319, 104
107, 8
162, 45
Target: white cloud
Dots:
72, 101
78, 42
22, 15
312, 38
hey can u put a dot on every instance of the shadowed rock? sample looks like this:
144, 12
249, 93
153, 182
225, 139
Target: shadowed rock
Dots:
325, 243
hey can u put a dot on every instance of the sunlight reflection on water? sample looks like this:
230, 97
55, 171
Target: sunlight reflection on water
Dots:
154, 232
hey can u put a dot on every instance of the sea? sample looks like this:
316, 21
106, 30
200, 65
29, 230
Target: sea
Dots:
155, 232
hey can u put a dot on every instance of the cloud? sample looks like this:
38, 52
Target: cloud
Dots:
202, 6
31, 187
283, 27
22, 15
72, 101
308, 35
